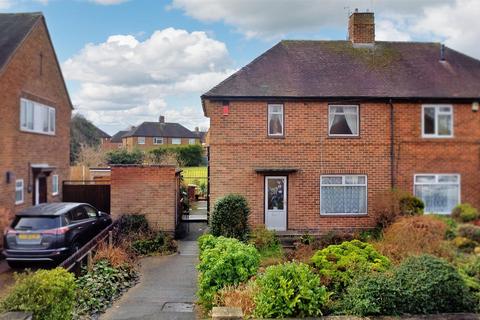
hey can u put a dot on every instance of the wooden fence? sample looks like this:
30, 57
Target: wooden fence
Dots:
96, 193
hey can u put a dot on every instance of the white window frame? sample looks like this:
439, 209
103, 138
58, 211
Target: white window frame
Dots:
36, 109
268, 119
22, 189
141, 140
54, 184
175, 140
191, 141
343, 185
330, 106
435, 121
437, 175
157, 139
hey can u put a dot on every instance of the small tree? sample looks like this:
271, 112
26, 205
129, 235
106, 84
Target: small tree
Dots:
189, 156
125, 157
230, 217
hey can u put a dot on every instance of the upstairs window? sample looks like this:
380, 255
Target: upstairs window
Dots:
157, 140
343, 121
191, 141
176, 141
275, 119
141, 140
36, 117
437, 121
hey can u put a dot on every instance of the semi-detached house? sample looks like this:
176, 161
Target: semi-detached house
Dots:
312, 133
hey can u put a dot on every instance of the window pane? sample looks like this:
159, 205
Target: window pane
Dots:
23, 113
424, 179
332, 180
343, 120
191, 141
447, 178
444, 125
176, 141
438, 198
429, 120
276, 194
445, 109
346, 199
141, 140
45, 117
354, 180
275, 109
52, 120
275, 124
30, 115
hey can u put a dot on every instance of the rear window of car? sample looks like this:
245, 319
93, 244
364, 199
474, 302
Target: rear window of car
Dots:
36, 223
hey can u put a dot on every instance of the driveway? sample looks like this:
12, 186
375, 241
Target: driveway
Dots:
166, 290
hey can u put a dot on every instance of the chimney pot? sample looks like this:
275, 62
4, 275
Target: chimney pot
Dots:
361, 27
196, 129
162, 119
442, 52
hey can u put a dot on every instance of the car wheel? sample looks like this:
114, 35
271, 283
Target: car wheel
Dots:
75, 248
16, 264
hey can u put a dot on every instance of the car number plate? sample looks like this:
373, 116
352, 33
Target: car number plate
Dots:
29, 236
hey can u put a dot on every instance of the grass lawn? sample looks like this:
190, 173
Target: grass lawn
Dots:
194, 175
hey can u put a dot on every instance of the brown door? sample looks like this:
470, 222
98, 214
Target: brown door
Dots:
42, 189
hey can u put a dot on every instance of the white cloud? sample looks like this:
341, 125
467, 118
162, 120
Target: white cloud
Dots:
5, 4
125, 81
275, 18
387, 30
108, 2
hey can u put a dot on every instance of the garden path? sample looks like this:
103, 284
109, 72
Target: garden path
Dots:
166, 290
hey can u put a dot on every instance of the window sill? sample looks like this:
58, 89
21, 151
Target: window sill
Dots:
55, 194
38, 132
437, 137
344, 137
346, 215
19, 203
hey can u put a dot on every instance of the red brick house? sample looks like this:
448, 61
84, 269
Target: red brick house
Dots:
314, 132
36, 112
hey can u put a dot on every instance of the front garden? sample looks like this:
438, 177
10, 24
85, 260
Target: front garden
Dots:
411, 264
59, 294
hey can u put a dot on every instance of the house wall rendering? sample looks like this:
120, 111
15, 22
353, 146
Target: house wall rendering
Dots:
33, 74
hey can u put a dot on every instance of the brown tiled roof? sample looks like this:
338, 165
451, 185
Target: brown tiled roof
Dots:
322, 69
117, 137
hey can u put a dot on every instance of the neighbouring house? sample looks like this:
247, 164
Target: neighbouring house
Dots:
36, 112
104, 137
116, 140
201, 135
149, 135
313, 133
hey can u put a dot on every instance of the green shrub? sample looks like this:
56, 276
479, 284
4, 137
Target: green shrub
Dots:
420, 285
100, 286
267, 244
223, 261
411, 206
157, 243
469, 231
125, 157
207, 241
230, 217
189, 155
465, 212
338, 264
289, 290
157, 155
464, 244
48, 294
307, 238
452, 225
469, 269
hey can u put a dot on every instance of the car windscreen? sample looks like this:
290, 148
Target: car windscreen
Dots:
36, 223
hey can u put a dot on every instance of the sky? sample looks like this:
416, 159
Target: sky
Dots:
129, 61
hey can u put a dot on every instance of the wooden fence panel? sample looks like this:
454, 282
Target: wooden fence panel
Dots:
98, 195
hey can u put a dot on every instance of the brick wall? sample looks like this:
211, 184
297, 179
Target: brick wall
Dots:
239, 143
22, 78
361, 27
149, 190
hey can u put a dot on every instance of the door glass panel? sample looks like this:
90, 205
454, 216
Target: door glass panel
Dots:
276, 193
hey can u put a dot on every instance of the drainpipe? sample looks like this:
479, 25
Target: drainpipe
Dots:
392, 147
208, 183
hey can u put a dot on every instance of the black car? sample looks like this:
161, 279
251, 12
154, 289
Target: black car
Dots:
50, 232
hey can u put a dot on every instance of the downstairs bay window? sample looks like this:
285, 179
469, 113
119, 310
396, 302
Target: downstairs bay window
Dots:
343, 194
439, 192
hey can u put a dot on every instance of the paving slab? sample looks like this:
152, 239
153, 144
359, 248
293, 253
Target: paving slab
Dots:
166, 290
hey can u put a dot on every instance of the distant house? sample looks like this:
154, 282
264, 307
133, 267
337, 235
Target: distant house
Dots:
105, 138
313, 133
36, 110
116, 140
149, 135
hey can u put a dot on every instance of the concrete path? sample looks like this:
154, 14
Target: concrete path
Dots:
166, 290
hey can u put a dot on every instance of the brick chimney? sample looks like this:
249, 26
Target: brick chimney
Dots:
161, 119
361, 28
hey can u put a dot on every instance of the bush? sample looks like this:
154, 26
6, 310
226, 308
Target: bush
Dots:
157, 155
267, 244
413, 236
469, 231
125, 157
133, 224
101, 285
465, 212
420, 285
117, 256
230, 217
240, 296
48, 294
411, 206
223, 261
289, 290
464, 244
189, 156
339, 264
469, 269
156, 243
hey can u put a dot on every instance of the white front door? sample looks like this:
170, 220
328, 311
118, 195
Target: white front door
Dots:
276, 203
